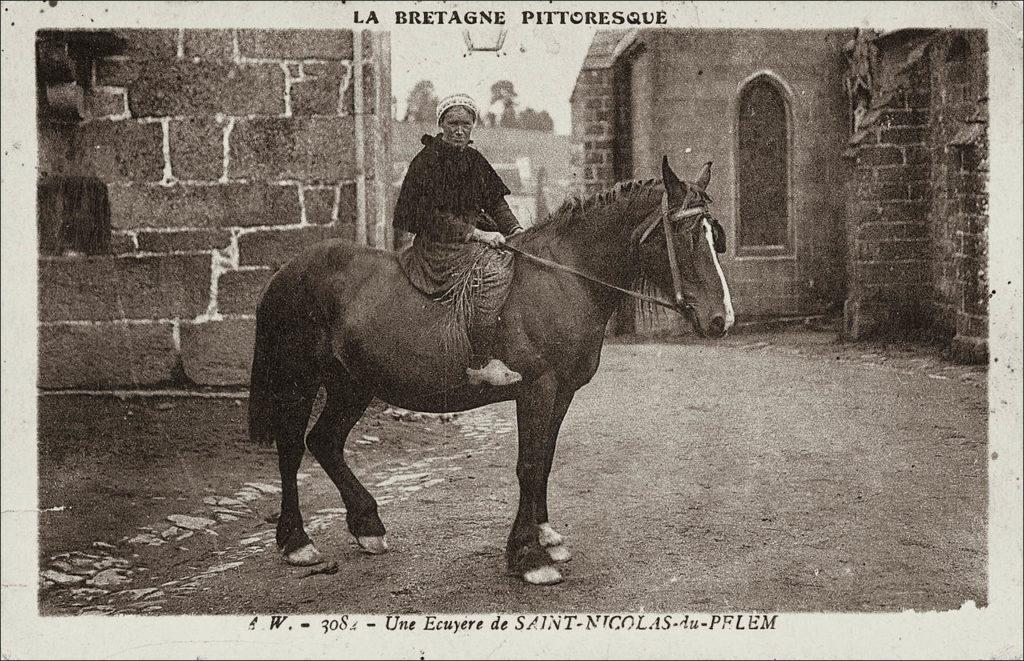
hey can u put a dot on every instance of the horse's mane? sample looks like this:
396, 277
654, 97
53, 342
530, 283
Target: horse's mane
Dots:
576, 209
575, 206
620, 191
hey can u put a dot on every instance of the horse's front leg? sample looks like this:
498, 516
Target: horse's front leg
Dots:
524, 554
548, 537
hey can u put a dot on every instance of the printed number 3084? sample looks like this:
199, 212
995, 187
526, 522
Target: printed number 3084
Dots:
338, 624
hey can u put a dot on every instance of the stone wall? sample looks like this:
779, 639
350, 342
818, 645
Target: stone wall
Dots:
224, 153
888, 224
593, 132
594, 113
919, 213
958, 214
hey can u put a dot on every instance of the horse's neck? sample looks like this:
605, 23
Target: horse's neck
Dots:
597, 245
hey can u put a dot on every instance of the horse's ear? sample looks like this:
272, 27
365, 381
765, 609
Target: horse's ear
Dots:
671, 181
704, 178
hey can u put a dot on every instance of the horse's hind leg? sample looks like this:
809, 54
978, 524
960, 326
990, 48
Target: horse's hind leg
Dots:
289, 431
346, 403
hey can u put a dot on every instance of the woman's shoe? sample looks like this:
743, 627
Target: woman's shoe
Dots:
494, 373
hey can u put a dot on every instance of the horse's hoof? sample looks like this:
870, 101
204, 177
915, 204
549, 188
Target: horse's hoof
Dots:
543, 576
559, 553
373, 545
547, 536
304, 557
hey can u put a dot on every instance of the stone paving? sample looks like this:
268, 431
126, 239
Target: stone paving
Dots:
101, 579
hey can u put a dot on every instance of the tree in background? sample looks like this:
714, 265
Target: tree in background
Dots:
421, 104
533, 120
504, 92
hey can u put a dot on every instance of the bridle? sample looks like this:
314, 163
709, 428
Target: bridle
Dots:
680, 304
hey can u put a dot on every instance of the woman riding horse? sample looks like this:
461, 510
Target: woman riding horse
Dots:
345, 318
454, 202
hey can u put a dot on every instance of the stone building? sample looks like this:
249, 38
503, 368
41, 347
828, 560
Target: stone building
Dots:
849, 167
177, 170
917, 213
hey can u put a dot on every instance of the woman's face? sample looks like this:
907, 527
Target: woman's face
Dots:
456, 125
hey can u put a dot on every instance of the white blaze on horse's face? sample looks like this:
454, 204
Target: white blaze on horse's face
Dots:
701, 290
730, 315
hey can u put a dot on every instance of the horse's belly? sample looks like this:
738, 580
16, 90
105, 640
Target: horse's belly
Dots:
409, 354
430, 383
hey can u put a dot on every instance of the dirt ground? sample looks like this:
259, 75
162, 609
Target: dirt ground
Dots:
771, 472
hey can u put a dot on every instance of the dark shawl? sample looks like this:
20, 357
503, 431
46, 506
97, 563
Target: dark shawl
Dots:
443, 179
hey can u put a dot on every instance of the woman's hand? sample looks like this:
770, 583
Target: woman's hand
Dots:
492, 239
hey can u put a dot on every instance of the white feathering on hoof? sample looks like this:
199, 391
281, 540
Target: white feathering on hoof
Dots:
303, 557
373, 545
543, 576
558, 553
547, 535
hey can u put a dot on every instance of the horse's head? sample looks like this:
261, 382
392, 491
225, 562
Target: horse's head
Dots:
677, 249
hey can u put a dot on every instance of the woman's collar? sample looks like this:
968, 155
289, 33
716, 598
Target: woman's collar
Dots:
439, 142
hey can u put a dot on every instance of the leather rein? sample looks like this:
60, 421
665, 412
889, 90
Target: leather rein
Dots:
680, 305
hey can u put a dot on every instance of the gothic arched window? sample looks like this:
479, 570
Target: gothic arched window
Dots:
762, 168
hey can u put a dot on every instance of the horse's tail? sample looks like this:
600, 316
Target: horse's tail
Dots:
261, 396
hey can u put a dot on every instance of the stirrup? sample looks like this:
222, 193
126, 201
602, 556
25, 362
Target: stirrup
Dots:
495, 373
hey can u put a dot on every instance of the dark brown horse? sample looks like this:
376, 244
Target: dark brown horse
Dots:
345, 318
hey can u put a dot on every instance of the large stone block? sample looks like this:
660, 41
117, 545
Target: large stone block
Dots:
149, 44
118, 71
322, 89
197, 148
120, 288
274, 248
120, 150
238, 292
319, 205
190, 88
221, 205
213, 45
296, 44
183, 240
218, 353
320, 149
106, 355
53, 156
104, 104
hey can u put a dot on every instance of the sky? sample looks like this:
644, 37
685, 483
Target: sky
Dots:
542, 65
